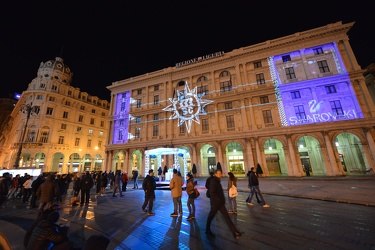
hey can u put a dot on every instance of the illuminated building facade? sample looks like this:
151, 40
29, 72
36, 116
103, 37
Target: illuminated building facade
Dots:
290, 104
54, 126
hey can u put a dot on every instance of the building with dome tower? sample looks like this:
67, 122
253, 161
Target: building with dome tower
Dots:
54, 126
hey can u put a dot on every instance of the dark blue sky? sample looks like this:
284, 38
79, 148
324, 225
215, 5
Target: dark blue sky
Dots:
107, 41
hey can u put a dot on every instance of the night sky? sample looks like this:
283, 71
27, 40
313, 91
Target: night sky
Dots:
107, 41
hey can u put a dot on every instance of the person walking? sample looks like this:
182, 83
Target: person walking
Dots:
86, 184
14, 187
254, 185
34, 187
149, 186
160, 172
135, 178
191, 195
175, 185
47, 192
4, 187
104, 183
124, 179
217, 202
232, 202
207, 185
27, 189
117, 184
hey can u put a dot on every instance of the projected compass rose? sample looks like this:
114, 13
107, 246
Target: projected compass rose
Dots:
187, 107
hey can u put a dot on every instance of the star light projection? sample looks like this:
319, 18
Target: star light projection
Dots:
187, 107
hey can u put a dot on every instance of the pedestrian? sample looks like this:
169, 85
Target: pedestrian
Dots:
191, 195
86, 184
104, 183
34, 187
175, 185
165, 171
217, 202
4, 187
254, 184
117, 184
27, 189
149, 186
13, 187
232, 202
47, 192
259, 170
256, 195
124, 179
98, 182
76, 189
135, 178
207, 185
160, 172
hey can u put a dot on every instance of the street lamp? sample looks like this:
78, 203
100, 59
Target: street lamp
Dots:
29, 110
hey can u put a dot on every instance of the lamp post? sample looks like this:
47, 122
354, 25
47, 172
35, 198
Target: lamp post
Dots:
27, 109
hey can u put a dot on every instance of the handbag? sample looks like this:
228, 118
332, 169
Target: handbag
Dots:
196, 193
233, 191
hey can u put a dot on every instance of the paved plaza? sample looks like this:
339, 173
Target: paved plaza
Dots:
304, 213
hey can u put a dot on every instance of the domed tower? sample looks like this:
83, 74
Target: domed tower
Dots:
52, 71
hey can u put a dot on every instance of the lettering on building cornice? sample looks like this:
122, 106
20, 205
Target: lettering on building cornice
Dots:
200, 59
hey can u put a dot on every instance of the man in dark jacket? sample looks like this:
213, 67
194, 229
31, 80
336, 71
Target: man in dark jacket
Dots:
149, 186
254, 185
86, 184
48, 235
47, 192
4, 187
34, 188
217, 201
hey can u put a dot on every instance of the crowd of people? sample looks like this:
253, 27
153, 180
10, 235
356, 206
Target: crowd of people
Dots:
49, 189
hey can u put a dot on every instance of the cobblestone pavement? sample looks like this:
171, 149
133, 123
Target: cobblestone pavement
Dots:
304, 213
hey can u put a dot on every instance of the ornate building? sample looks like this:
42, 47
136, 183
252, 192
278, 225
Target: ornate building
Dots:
54, 126
290, 104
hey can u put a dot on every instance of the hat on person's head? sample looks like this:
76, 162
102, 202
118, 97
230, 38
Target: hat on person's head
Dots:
53, 216
150, 171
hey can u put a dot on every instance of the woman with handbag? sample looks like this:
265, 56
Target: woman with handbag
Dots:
232, 181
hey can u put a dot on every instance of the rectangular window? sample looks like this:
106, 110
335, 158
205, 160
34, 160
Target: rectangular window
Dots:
139, 91
202, 90
61, 140
76, 143
67, 103
257, 65
260, 79
137, 132
91, 131
101, 123
225, 86
93, 111
336, 107
156, 87
155, 130
89, 143
290, 73
267, 116
182, 129
230, 121
156, 99
63, 126
42, 85
138, 119
49, 111
123, 104
82, 107
69, 92
80, 118
39, 97
323, 66
295, 94
101, 133
100, 144
92, 121
286, 58
228, 105
65, 115
205, 125
54, 87
330, 89
52, 99
156, 117
120, 134
264, 99
139, 103
44, 137
300, 112
318, 51
79, 129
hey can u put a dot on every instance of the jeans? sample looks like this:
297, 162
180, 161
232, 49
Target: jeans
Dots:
191, 206
255, 189
177, 204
